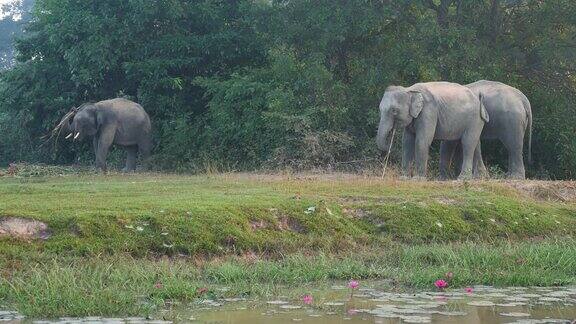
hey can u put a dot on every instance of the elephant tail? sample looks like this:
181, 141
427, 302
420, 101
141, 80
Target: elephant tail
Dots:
528, 108
483, 112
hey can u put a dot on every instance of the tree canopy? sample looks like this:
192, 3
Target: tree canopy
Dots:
13, 15
280, 83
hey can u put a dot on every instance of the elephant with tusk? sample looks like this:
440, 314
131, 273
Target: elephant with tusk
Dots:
115, 121
429, 111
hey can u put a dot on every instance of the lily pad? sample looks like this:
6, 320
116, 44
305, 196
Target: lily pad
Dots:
550, 299
455, 313
277, 302
416, 319
481, 303
529, 295
514, 304
515, 314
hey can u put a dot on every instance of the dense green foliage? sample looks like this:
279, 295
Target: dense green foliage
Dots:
249, 83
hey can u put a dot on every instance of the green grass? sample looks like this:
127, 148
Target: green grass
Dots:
216, 215
114, 237
127, 286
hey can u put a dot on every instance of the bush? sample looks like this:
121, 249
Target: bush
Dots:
250, 84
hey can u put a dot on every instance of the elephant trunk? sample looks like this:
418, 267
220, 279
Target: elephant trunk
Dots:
383, 137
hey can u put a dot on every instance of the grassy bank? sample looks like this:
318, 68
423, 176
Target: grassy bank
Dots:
148, 215
126, 286
113, 238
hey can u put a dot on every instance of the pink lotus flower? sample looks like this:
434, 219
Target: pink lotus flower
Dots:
440, 284
469, 290
158, 285
307, 299
449, 275
353, 284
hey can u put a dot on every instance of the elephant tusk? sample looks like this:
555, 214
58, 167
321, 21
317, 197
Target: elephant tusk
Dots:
69, 135
76, 136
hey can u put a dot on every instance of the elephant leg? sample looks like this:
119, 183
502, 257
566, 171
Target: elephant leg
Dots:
104, 141
407, 153
467, 158
516, 164
515, 147
479, 170
447, 150
470, 145
95, 140
95, 144
422, 149
131, 159
144, 148
457, 159
470, 142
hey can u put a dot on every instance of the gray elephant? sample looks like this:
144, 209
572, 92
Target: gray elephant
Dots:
116, 121
428, 111
510, 117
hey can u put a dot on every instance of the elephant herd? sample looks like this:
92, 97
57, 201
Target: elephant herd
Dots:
457, 115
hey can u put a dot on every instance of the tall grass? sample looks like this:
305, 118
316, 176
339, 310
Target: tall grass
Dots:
126, 286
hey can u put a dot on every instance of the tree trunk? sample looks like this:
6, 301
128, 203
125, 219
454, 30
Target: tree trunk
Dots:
495, 20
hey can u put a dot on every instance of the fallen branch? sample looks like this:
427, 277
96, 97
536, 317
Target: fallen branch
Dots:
388, 153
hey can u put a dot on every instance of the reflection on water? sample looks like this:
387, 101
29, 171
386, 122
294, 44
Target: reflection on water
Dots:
482, 305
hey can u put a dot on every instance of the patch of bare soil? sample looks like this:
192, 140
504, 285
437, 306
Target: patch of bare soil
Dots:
285, 223
23, 228
357, 213
561, 191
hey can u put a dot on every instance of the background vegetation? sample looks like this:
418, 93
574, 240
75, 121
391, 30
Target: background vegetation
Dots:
256, 83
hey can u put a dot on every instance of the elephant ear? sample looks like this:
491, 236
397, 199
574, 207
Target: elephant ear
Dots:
416, 103
96, 116
483, 112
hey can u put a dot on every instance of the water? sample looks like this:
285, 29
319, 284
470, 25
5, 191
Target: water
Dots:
483, 305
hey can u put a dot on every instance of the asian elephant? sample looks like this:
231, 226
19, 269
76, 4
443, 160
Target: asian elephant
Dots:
510, 117
428, 111
115, 121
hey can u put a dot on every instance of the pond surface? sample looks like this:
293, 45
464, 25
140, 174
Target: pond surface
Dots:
481, 305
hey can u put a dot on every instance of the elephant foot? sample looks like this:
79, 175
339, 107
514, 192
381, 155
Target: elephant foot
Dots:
516, 177
481, 176
443, 177
465, 177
